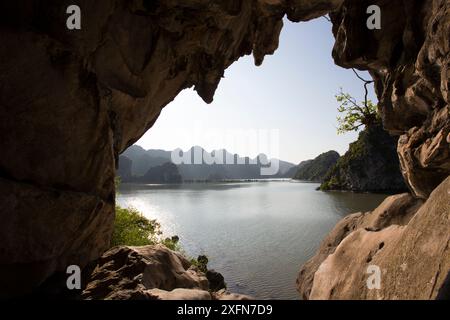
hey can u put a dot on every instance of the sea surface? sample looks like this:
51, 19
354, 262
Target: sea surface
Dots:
257, 234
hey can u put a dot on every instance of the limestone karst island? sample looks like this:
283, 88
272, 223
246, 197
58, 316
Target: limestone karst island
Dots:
232, 150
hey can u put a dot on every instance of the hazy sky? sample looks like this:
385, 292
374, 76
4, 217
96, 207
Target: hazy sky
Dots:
293, 92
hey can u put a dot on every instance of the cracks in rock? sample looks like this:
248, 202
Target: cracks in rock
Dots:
438, 272
373, 253
436, 277
371, 229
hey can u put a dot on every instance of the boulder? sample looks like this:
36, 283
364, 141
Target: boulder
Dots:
407, 240
396, 209
124, 172
226, 295
152, 273
130, 272
216, 280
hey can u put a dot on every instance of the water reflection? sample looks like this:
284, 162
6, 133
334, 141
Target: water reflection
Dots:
257, 234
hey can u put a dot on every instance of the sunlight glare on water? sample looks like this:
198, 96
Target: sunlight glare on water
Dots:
256, 234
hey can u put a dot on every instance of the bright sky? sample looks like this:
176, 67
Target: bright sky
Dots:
292, 92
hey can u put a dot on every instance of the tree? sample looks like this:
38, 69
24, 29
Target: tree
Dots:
356, 115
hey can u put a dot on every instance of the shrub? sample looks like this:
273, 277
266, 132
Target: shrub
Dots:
133, 229
172, 243
201, 263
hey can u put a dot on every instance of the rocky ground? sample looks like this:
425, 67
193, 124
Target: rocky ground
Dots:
153, 273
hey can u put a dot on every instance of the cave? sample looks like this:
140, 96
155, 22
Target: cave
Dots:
72, 100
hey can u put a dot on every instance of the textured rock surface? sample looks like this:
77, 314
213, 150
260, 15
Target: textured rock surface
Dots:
409, 59
133, 271
414, 256
71, 101
149, 273
370, 165
397, 209
225, 295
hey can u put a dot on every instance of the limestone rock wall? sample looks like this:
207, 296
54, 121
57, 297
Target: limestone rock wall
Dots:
409, 59
71, 101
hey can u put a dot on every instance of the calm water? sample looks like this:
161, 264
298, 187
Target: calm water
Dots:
256, 234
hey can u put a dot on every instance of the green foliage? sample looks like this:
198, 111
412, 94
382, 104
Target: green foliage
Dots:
172, 243
315, 170
133, 229
201, 263
355, 115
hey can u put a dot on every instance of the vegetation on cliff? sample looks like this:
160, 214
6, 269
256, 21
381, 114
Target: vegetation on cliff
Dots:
316, 170
166, 173
370, 165
132, 228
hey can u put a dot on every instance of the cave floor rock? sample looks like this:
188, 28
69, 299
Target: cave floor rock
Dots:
408, 239
150, 273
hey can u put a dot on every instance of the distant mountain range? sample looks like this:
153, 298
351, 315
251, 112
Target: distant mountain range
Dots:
370, 165
139, 165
